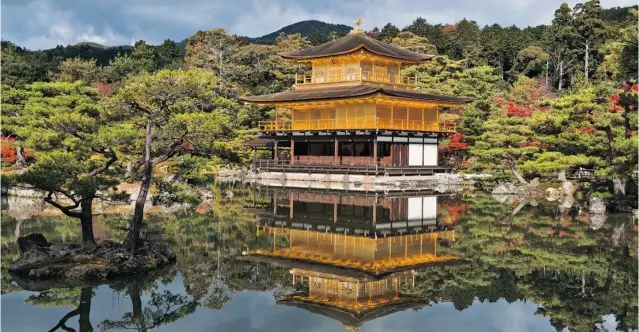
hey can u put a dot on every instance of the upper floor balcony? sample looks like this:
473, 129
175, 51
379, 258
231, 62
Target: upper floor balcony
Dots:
366, 123
379, 115
355, 75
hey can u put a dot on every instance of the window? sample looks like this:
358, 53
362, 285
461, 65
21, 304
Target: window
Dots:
350, 74
384, 150
301, 149
363, 149
319, 78
346, 149
320, 149
356, 149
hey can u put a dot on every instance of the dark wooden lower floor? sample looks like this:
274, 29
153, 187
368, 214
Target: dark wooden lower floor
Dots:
355, 152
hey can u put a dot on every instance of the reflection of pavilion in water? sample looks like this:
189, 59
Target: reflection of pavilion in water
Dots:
353, 253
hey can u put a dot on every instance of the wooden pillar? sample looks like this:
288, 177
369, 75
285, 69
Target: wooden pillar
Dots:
375, 153
292, 151
375, 210
334, 209
275, 202
336, 152
290, 206
392, 121
275, 156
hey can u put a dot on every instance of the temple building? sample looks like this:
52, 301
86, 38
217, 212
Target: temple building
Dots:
354, 112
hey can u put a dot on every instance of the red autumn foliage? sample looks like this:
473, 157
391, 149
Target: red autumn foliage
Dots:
187, 145
455, 212
373, 34
518, 110
8, 153
614, 99
455, 144
104, 89
531, 143
449, 28
585, 130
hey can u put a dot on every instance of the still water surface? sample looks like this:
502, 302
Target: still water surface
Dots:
299, 260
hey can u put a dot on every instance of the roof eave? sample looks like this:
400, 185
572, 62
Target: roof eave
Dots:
289, 56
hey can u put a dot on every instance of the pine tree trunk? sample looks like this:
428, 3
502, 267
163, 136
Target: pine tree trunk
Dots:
20, 160
619, 186
586, 64
516, 173
86, 220
129, 170
561, 74
138, 214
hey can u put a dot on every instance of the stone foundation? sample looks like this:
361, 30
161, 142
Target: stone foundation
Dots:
438, 182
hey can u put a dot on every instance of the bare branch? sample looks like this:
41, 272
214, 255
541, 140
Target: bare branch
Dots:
65, 209
103, 168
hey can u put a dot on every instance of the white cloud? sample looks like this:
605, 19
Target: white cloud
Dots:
46, 26
39, 24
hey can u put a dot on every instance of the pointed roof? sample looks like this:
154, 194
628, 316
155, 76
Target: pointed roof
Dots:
353, 42
352, 319
350, 92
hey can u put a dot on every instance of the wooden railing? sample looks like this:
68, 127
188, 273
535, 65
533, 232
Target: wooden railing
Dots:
345, 165
362, 75
358, 124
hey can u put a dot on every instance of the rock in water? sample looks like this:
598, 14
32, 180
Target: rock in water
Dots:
33, 241
42, 260
561, 176
597, 205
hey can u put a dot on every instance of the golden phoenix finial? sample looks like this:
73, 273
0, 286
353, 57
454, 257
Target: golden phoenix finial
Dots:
358, 24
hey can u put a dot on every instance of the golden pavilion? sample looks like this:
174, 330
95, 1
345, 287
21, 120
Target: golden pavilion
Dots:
354, 112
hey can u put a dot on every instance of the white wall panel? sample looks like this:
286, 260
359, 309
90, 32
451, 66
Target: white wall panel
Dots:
429, 205
415, 208
415, 154
430, 155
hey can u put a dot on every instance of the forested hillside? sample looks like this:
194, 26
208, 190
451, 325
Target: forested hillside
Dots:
548, 98
316, 31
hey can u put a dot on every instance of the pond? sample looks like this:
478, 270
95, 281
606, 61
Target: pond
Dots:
264, 259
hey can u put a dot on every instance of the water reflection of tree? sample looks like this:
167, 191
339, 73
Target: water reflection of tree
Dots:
208, 247
83, 310
162, 308
575, 274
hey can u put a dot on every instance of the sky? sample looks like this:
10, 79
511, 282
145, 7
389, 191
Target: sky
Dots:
41, 24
